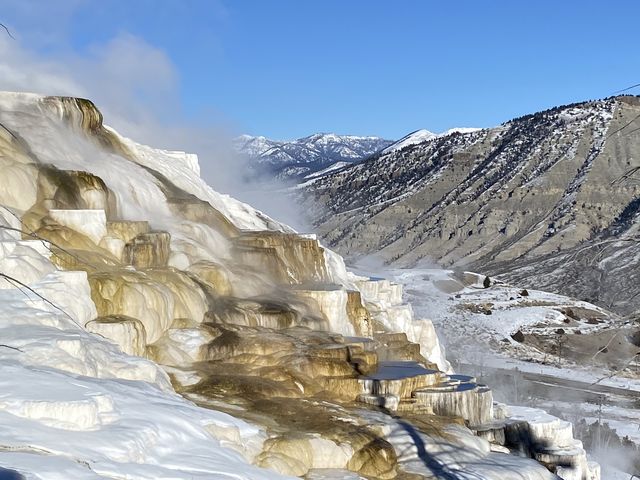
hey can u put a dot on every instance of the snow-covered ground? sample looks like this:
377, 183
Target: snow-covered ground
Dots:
447, 298
457, 306
467, 314
330, 168
456, 311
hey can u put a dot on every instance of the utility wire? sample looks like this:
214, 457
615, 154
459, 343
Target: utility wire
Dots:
19, 284
624, 126
7, 30
627, 89
31, 233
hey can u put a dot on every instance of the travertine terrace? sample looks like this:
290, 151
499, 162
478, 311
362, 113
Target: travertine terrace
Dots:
244, 315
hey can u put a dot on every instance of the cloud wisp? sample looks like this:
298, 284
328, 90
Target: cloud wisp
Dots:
137, 87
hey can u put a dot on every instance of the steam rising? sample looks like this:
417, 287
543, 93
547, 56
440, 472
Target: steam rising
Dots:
136, 86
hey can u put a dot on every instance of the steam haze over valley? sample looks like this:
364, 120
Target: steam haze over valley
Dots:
321, 240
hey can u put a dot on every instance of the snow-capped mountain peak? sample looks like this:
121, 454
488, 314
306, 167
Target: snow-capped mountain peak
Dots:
423, 135
253, 146
307, 155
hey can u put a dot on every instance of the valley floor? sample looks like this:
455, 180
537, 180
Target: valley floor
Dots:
478, 325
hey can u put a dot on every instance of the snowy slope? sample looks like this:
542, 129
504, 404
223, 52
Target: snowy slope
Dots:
477, 325
331, 168
412, 138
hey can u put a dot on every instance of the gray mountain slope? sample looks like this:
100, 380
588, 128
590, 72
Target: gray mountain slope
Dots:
550, 200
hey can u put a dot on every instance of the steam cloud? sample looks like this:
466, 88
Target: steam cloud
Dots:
136, 86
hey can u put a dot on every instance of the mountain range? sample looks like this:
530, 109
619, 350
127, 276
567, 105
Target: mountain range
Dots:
320, 153
550, 200
293, 160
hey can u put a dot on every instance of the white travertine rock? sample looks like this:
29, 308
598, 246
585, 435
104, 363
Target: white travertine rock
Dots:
332, 303
113, 245
471, 402
128, 333
384, 300
67, 394
91, 223
296, 455
154, 298
550, 441
18, 175
381, 290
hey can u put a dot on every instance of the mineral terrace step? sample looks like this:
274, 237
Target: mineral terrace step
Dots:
399, 378
470, 401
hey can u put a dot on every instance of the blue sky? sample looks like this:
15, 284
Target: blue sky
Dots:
286, 69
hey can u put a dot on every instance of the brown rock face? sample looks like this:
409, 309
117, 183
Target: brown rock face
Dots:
290, 258
148, 250
359, 316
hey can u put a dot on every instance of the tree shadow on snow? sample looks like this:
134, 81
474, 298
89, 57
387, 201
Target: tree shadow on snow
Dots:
6, 474
439, 469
